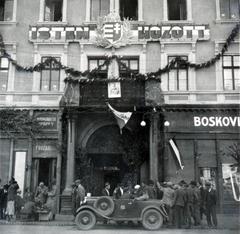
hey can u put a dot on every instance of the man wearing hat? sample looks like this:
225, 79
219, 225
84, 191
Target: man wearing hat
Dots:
80, 193
210, 202
106, 190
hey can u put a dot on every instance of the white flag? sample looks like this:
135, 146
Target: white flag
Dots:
121, 117
176, 152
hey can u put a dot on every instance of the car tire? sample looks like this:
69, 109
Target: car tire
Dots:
105, 205
85, 220
152, 219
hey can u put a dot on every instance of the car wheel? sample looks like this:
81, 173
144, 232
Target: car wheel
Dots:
152, 219
105, 205
85, 220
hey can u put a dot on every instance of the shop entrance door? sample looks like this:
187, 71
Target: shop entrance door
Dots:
44, 170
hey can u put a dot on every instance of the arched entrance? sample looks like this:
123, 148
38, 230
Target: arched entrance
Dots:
112, 157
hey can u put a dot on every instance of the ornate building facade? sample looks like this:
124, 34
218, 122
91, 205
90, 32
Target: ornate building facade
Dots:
174, 64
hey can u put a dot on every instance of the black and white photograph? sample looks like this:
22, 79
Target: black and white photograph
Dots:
119, 116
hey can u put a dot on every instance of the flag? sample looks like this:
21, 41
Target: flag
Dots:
177, 153
121, 117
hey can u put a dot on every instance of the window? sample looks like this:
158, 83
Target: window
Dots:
6, 10
229, 9
132, 64
178, 76
129, 9
53, 10
95, 62
99, 8
50, 76
177, 10
4, 66
231, 72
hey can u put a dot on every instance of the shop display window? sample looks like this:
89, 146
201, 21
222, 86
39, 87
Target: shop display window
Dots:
50, 76
208, 174
229, 9
177, 10
231, 182
99, 8
53, 10
6, 10
4, 67
178, 76
231, 72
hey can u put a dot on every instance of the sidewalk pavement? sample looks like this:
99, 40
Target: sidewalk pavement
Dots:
225, 221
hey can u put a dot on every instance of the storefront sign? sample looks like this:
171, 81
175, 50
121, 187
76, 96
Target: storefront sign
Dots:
47, 121
216, 121
45, 149
204, 120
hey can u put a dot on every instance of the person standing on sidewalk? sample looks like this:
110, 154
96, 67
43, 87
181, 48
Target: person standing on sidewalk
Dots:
179, 203
11, 199
210, 205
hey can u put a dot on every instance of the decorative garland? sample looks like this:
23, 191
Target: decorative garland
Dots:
90, 76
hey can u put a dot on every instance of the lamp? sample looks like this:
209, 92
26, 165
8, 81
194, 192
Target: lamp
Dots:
143, 123
166, 124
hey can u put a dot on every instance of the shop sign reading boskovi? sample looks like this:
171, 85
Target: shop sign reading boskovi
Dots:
216, 121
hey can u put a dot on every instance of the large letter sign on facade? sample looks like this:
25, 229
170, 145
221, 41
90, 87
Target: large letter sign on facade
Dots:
112, 32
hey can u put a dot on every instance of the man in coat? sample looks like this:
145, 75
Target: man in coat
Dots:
210, 202
106, 190
179, 203
80, 193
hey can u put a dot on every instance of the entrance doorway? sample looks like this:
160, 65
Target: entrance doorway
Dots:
44, 170
112, 157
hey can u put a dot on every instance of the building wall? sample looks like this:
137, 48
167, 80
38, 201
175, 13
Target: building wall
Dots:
205, 85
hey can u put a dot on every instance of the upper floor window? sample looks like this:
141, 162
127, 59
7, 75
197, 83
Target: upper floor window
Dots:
53, 10
129, 9
4, 67
95, 62
50, 76
132, 64
6, 10
177, 10
231, 72
178, 76
99, 8
230, 9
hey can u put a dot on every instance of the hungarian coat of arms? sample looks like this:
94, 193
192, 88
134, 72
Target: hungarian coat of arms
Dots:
112, 32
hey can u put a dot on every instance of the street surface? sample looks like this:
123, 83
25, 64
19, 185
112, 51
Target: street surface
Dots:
38, 229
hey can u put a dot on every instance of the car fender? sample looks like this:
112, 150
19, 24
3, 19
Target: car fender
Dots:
155, 208
86, 207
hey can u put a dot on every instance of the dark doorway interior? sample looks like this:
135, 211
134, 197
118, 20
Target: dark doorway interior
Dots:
47, 171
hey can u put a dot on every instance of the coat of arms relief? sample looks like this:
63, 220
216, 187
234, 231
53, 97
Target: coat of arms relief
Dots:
112, 32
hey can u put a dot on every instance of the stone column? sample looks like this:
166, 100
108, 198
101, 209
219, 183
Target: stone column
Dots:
154, 147
29, 163
70, 156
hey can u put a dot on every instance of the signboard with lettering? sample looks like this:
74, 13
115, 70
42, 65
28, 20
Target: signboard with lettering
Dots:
205, 121
113, 32
45, 149
47, 121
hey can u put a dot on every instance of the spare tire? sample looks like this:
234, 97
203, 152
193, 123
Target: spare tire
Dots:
105, 205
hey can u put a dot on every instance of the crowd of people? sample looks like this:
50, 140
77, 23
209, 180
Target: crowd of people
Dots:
13, 205
185, 203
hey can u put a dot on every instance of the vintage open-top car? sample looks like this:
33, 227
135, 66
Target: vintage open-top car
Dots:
150, 212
